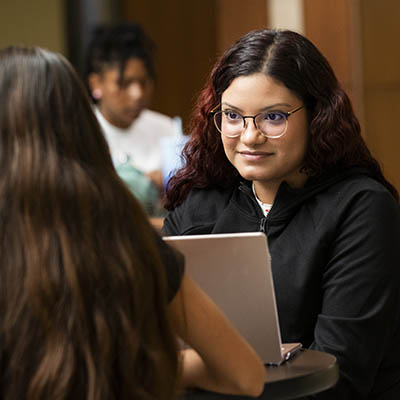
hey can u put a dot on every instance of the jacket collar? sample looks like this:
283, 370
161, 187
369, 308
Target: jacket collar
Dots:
288, 200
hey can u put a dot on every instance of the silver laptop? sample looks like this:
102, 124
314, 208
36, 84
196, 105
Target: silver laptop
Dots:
235, 271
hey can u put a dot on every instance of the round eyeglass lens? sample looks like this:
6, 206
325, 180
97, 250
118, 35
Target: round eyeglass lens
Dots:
229, 123
271, 123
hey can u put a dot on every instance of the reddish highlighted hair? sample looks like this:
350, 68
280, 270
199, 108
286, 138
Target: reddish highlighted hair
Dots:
335, 138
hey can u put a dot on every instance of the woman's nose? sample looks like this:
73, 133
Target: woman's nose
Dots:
250, 134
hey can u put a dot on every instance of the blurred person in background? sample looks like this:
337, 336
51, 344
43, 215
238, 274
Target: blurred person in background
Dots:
120, 74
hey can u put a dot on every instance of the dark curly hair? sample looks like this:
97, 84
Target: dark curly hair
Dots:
115, 45
335, 138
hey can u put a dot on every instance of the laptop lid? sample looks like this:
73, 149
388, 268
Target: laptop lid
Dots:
235, 271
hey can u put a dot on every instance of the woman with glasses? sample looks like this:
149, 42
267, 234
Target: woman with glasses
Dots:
276, 147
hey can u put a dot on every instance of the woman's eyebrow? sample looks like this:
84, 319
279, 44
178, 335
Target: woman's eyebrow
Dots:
272, 106
276, 105
230, 106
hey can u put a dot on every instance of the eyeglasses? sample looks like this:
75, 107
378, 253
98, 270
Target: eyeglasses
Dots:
271, 124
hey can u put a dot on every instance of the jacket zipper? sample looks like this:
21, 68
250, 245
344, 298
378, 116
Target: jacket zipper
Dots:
264, 220
264, 225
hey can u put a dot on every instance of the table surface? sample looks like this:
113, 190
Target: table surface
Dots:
308, 372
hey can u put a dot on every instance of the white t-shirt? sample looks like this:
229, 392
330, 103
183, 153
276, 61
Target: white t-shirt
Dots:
141, 141
265, 207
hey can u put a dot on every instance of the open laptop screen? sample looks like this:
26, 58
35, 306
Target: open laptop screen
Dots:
235, 271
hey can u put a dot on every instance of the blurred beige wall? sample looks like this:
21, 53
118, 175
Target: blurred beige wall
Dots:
381, 82
33, 22
360, 40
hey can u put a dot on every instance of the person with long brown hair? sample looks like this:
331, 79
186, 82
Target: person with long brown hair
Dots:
276, 147
91, 298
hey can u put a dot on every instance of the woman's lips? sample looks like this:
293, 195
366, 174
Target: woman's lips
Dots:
254, 155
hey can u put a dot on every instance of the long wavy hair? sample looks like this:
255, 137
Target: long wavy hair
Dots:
335, 139
83, 295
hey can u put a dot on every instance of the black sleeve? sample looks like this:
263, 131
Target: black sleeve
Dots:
174, 263
360, 318
171, 226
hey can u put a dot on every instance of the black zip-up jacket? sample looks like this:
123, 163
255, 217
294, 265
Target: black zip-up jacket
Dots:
335, 249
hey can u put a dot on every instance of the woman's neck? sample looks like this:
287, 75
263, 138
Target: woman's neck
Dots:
265, 192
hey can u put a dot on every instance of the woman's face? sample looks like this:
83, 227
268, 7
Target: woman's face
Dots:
266, 161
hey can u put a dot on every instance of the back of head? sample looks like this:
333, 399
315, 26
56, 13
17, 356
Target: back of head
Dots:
47, 117
335, 141
114, 45
82, 301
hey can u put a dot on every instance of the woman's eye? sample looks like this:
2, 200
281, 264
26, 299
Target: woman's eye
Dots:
274, 116
232, 116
